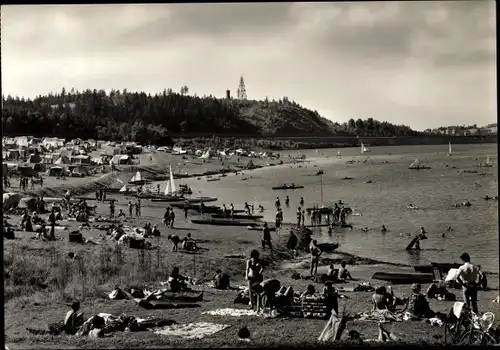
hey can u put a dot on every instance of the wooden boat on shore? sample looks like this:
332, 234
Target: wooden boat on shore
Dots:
403, 278
260, 228
168, 199
238, 216
213, 179
201, 199
444, 267
287, 187
209, 209
223, 222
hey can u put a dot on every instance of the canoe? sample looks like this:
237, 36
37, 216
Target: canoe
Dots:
213, 179
208, 208
223, 222
260, 228
201, 199
236, 216
285, 187
419, 168
168, 199
403, 278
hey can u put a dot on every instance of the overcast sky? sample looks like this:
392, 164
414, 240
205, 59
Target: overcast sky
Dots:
423, 64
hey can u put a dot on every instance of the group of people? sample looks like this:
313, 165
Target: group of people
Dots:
100, 195
187, 243
132, 206
169, 217
24, 181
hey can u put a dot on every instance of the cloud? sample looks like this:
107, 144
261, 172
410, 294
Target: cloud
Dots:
418, 63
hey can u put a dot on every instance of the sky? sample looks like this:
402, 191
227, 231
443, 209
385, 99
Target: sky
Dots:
422, 64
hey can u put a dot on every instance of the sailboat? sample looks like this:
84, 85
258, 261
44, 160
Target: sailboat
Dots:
364, 149
449, 148
137, 179
488, 164
339, 154
206, 155
417, 166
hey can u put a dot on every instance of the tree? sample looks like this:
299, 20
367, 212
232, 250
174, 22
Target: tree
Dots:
369, 123
352, 124
360, 124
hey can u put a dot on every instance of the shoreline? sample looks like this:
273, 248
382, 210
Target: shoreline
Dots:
107, 179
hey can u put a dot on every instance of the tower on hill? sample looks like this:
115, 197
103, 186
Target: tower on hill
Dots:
242, 92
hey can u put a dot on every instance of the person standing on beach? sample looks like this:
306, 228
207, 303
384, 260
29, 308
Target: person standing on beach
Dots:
231, 211
303, 217
138, 208
130, 209
315, 254
171, 218
112, 209
277, 222
266, 237
253, 275
186, 213
52, 220
468, 277
299, 217
301, 201
287, 201
166, 217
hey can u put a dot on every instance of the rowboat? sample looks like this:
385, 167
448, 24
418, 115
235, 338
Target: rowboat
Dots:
236, 216
223, 222
403, 278
287, 187
201, 199
168, 199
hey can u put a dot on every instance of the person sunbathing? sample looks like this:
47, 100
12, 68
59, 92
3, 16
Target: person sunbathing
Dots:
309, 291
382, 300
177, 282
418, 304
221, 280
344, 274
175, 241
188, 243
73, 319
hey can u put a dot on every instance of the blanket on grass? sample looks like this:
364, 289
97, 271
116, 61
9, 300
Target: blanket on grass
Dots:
230, 312
197, 330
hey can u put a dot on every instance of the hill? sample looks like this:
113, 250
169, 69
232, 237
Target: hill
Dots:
144, 117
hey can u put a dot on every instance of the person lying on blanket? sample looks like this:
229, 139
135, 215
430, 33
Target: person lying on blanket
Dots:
418, 304
177, 281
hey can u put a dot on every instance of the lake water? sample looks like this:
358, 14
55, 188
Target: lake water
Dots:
434, 191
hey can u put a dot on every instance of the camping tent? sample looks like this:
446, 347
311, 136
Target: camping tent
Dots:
62, 160
250, 165
57, 170
34, 158
10, 200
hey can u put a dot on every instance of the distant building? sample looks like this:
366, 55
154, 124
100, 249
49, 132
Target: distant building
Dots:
472, 131
228, 94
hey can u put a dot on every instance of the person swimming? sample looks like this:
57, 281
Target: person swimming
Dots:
383, 229
365, 229
422, 230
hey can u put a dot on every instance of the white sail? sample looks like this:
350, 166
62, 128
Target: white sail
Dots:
137, 177
363, 148
124, 188
415, 163
487, 159
172, 183
167, 188
206, 155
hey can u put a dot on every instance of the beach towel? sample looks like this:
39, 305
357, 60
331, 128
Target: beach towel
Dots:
197, 330
382, 316
231, 312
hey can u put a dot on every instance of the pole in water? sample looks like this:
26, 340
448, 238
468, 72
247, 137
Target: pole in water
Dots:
321, 182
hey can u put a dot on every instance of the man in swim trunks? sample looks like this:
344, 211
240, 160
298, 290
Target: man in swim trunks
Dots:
315, 254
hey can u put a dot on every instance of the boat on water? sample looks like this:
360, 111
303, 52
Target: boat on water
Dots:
238, 216
323, 210
168, 199
138, 179
213, 179
223, 222
417, 166
201, 199
347, 178
364, 149
209, 209
320, 172
287, 187
403, 278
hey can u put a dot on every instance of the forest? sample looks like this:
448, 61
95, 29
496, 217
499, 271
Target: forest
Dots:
157, 119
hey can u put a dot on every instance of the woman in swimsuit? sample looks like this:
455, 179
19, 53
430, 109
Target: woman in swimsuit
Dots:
253, 275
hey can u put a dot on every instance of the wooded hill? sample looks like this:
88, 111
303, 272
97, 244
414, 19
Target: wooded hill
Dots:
146, 118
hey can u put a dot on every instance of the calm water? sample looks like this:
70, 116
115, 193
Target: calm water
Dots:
434, 191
